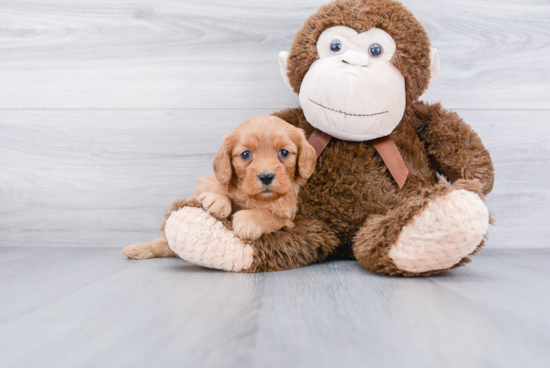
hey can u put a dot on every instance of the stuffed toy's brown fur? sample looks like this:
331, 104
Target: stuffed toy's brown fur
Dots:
351, 207
351, 199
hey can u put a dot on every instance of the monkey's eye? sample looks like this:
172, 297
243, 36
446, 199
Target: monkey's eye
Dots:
283, 153
246, 155
376, 50
335, 46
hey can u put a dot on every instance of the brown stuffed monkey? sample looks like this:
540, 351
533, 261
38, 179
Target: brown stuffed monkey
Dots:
399, 184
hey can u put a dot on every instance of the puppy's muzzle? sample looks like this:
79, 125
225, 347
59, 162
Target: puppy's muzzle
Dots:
266, 178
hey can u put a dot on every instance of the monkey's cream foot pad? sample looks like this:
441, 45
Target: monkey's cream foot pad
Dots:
447, 230
200, 238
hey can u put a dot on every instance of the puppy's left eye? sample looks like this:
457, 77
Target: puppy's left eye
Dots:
246, 155
283, 153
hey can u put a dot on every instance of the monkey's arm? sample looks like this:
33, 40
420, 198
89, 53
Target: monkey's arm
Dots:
454, 148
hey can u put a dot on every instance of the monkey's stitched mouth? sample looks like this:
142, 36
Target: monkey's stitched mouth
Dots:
345, 113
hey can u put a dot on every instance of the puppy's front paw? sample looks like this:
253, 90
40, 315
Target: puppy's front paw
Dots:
289, 225
217, 204
246, 226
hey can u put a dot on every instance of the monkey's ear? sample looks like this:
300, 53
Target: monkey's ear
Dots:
434, 65
283, 62
223, 171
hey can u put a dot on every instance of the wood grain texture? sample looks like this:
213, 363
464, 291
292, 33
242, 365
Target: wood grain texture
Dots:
219, 54
110, 110
104, 178
76, 176
94, 308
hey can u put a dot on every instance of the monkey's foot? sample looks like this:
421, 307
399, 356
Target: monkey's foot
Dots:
200, 238
449, 228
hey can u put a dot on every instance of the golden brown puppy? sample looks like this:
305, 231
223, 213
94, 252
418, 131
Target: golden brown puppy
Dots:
257, 174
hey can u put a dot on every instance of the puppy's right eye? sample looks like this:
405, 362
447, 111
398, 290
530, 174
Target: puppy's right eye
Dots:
283, 153
246, 155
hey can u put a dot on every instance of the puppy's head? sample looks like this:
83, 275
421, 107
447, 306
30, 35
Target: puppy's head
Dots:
264, 157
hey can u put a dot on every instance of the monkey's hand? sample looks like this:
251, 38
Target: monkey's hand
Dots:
215, 203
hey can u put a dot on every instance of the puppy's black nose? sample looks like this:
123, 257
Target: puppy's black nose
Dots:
266, 178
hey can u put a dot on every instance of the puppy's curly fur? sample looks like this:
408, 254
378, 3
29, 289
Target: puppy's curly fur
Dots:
262, 147
257, 175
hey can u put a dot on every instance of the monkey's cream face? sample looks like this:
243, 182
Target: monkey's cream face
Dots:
353, 92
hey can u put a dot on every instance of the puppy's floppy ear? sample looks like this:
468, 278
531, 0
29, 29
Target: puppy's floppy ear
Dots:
223, 170
307, 158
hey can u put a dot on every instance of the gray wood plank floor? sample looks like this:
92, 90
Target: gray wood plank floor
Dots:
63, 307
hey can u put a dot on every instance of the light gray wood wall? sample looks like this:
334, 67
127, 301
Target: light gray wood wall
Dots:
111, 109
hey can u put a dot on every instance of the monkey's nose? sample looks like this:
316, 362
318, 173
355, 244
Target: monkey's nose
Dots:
266, 178
356, 58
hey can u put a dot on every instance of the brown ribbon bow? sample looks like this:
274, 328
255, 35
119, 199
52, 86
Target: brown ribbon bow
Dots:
385, 147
